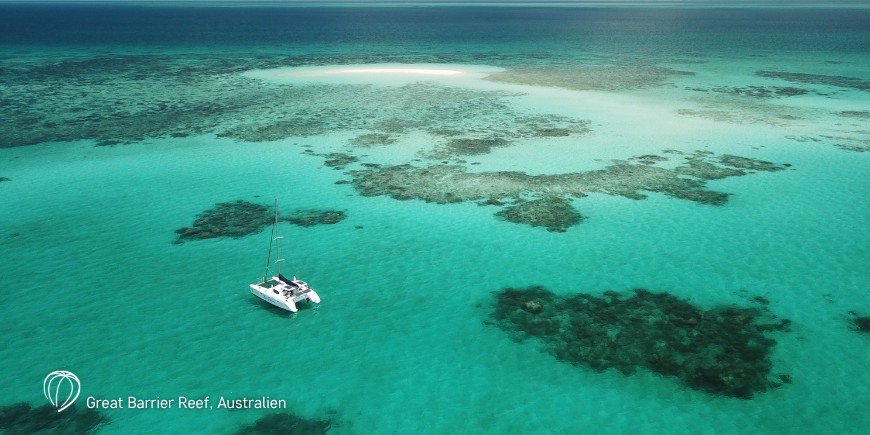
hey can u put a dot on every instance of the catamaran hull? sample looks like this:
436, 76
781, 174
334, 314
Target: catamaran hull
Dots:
288, 304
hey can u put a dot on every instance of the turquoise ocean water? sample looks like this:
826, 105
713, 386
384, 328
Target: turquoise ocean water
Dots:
122, 123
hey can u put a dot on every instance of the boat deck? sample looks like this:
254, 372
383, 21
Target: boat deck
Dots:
268, 284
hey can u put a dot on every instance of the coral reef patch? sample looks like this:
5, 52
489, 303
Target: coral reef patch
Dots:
648, 159
698, 166
339, 160
285, 423
722, 350
23, 419
858, 114
818, 79
760, 91
744, 114
241, 218
750, 164
124, 99
859, 142
2, 179
860, 323
542, 200
552, 212
373, 139
470, 147
310, 218
592, 77
227, 219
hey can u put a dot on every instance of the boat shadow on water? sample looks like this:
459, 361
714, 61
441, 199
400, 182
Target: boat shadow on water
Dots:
260, 304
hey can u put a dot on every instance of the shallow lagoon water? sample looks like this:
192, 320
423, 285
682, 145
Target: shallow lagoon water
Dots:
93, 283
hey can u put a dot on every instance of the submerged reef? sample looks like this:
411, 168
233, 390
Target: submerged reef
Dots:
339, 160
860, 323
286, 423
850, 143
760, 91
722, 350
227, 219
747, 112
124, 99
552, 212
818, 79
241, 218
648, 159
24, 419
471, 147
859, 142
698, 166
592, 77
751, 164
858, 114
543, 200
466, 121
310, 218
2, 179
749, 105
373, 139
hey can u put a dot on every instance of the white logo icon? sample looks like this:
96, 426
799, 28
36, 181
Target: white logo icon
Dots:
61, 388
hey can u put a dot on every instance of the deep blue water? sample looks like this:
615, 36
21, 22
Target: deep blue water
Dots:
636, 30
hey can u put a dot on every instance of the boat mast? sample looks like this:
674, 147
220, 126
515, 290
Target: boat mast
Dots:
269, 252
278, 258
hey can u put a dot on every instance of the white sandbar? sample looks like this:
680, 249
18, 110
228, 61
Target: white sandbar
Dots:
376, 73
420, 71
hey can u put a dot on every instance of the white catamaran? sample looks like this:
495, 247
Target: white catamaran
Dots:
278, 290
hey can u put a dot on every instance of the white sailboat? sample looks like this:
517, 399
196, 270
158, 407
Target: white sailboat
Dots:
279, 290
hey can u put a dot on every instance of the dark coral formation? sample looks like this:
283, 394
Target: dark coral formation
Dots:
723, 350
286, 423
648, 159
860, 323
339, 160
373, 139
469, 147
310, 218
227, 219
761, 300
552, 212
761, 91
850, 143
698, 165
241, 218
2, 179
818, 79
858, 143
549, 194
477, 141
750, 164
859, 114
23, 419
